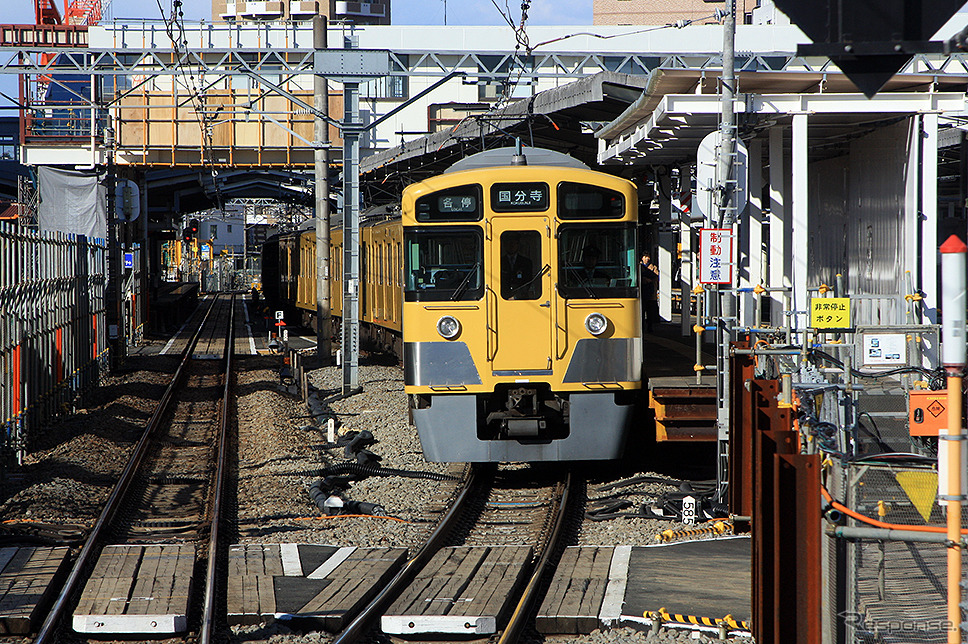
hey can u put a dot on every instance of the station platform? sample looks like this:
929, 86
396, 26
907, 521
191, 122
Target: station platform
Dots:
694, 582
29, 579
684, 406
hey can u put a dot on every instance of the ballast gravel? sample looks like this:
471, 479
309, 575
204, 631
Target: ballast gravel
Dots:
283, 448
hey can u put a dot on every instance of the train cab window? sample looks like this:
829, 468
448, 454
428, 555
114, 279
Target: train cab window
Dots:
583, 201
521, 266
461, 203
443, 264
597, 261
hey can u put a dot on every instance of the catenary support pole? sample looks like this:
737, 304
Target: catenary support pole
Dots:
324, 320
352, 128
726, 185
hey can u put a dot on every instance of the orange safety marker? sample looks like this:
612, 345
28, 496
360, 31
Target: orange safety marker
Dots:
59, 366
16, 381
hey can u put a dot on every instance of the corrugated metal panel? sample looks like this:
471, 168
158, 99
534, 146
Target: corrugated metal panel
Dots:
856, 222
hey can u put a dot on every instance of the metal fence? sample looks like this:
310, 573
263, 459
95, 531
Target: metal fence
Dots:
53, 334
876, 587
886, 591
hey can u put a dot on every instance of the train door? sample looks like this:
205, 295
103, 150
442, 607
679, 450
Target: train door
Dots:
522, 322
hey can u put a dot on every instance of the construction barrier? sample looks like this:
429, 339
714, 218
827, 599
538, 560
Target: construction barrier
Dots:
53, 334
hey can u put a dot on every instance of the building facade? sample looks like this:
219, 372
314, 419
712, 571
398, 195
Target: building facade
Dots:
372, 12
630, 12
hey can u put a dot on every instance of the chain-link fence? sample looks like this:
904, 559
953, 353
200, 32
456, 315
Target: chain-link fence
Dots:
884, 577
886, 590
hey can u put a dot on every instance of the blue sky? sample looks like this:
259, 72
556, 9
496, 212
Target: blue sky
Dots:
404, 12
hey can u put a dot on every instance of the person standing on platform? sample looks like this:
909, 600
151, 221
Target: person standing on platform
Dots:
650, 291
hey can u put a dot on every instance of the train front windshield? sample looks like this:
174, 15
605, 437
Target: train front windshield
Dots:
444, 264
597, 261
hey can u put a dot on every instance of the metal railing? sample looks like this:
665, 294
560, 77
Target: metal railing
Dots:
53, 333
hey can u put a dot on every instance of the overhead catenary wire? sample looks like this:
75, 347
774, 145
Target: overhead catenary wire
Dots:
175, 30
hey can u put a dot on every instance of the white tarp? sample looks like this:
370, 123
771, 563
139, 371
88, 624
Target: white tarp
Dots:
72, 201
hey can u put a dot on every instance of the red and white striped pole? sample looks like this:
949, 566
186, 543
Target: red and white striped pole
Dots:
953, 357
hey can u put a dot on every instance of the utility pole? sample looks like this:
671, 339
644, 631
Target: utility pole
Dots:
727, 215
324, 320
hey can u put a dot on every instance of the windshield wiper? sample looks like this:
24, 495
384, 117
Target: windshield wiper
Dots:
463, 284
583, 282
544, 269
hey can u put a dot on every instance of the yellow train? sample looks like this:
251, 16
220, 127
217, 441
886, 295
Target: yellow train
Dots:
511, 283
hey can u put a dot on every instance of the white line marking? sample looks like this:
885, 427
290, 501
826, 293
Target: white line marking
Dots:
332, 563
291, 566
618, 575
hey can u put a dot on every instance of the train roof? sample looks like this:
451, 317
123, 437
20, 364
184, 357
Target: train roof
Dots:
502, 156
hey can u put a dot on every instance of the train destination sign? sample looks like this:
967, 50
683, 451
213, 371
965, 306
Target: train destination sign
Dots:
532, 195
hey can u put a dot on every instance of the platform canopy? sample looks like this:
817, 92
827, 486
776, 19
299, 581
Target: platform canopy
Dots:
561, 119
679, 107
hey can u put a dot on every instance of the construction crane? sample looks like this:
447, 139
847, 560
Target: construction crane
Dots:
78, 12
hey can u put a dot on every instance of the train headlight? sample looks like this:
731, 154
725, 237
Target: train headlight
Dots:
448, 327
596, 323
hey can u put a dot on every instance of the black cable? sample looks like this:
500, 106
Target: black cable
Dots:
928, 373
363, 471
876, 434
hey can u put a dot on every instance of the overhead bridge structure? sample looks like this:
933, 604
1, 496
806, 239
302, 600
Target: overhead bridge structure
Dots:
240, 95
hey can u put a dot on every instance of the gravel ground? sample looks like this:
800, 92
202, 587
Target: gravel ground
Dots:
282, 450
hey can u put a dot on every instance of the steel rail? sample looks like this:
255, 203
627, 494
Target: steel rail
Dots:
47, 630
361, 624
518, 619
221, 472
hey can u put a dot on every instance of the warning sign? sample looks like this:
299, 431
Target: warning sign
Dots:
921, 488
830, 312
715, 256
927, 412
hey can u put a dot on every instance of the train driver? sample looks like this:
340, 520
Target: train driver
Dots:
589, 272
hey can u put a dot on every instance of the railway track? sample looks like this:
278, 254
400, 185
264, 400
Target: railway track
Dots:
491, 508
169, 496
507, 507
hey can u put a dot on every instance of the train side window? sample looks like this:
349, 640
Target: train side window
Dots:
521, 266
583, 201
461, 203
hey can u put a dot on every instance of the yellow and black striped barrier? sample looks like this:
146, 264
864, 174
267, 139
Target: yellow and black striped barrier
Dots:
714, 622
709, 529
